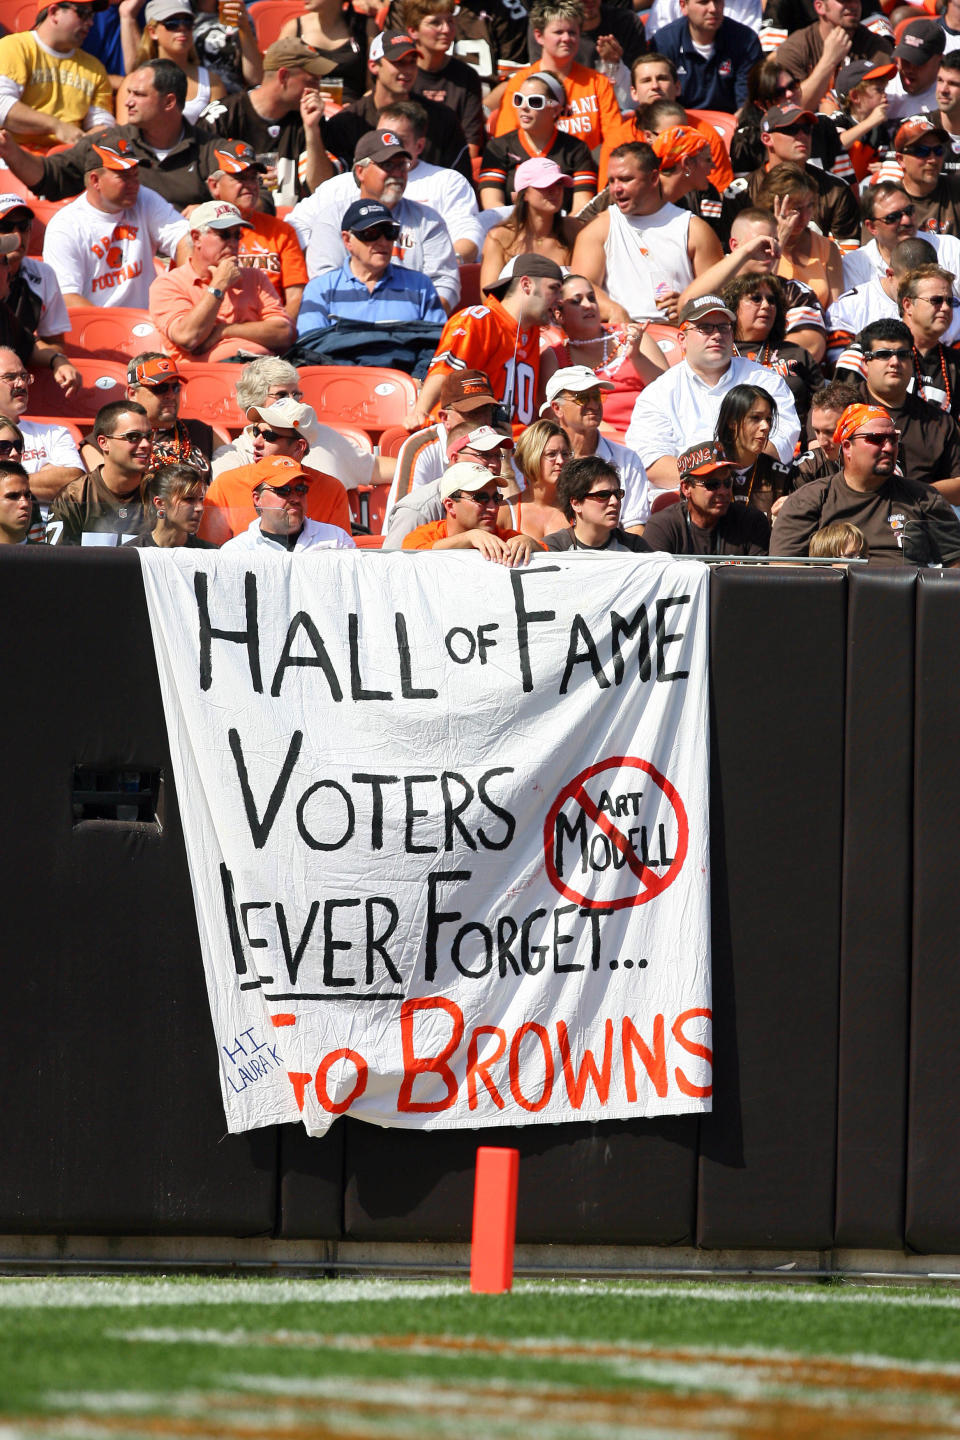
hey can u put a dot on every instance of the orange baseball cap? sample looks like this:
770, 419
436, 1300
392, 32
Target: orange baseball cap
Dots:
112, 155
277, 470
153, 372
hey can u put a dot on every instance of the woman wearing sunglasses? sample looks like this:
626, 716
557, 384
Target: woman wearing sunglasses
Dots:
759, 303
537, 225
175, 493
168, 35
538, 105
590, 494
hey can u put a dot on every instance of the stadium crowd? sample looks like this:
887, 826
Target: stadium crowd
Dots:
680, 279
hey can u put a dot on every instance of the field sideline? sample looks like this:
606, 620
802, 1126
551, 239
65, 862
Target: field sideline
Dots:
258, 1359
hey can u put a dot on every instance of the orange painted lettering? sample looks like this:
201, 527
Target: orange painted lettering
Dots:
478, 1069
359, 1085
430, 1064
655, 1061
531, 1028
577, 1083
696, 1092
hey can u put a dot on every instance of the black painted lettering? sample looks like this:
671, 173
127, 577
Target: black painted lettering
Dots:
407, 688
562, 939
435, 917
332, 945
320, 659
293, 957
357, 690
233, 928
350, 823
378, 942
589, 655
578, 831
260, 829
507, 932
452, 812
376, 783
486, 941
250, 637
621, 628
663, 639
495, 809
413, 814
526, 618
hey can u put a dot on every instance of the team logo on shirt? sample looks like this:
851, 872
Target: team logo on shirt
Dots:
725, 69
897, 522
110, 249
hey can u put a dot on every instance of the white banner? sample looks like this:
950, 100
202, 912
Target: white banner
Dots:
447, 828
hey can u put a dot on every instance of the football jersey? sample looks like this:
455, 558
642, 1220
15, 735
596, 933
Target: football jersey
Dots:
592, 109
488, 338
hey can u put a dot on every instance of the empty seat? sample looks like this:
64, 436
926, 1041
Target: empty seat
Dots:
43, 212
210, 394
269, 16
393, 439
667, 338
364, 395
111, 332
103, 382
724, 124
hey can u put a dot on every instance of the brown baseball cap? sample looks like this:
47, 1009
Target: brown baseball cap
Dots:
294, 54
466, 390
702, 459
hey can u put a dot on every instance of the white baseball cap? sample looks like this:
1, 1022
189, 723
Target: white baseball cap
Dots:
576, 379
289, 414
464, 476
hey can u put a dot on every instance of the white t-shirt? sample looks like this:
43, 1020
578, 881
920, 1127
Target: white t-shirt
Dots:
866, 263
678, 410
54, 316
109, 258
47, 445
900, 105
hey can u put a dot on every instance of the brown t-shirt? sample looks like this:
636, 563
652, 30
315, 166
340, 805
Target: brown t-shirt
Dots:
938, 373
801, 52
742, 531
902, 521
87, 513
762, 483
929, 441
940, 210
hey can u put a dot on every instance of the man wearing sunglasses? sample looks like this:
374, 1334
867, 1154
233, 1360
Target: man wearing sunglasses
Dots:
889, 217
902, 521
471, 498
913, 90
706, 521
575, 401
786, 134
929, 452
876, 299
920, 148
154, 382
817, 51
280, 488
105, 506
50, 89
927, 305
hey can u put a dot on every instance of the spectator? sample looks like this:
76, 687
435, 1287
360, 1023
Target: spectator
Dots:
380, 170
16, 504
270, 245
49, 456
176, 494
685, 164
929, 438
654, 77
470, 500
926, 305
590, 493
950, 20
501, 338
50, 89
340, 32
264, 382
680, 409
913, 90
440, 75
902, 520
230, 51
393, 64
101, 246
643, 251
713, 55
282, 429
168, 149
760, 307
168, 35
210, 307
769, 83
817, 51
611, 38
706, 522
876, 300
744, 426
826, 408
920, 149
154, 382
279, 488
34, 296
465, 396
947, 113
445, 191
663, 12
840, 539
281, 116
786, 135
889, 216
542, 452
862, 122
593, 112
537, 223
422, 505
538, 105
626, 355
791, 197
368, 288
575, 401
106, 507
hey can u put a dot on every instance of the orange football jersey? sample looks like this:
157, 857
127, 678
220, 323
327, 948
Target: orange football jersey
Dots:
487, 338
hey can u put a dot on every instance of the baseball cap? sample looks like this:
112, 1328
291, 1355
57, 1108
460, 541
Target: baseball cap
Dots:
277, 470
166, 9
464, 476
294, 54
678, 142
392, 45
918, 127
466, 390
701, 459
484, 438
576, 379
920, 41
781, 117
365, 214
232, 157
703, 305
10, 202
520, 265
379, 145
153, 372
110, 155
858, 71
217, 215
539, 173
288, 414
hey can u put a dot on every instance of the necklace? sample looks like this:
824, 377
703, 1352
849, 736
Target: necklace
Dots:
607, 341
918, 362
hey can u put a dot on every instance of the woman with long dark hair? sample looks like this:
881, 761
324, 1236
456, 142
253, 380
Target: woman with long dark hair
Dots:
760, 306
537, 225
746, 421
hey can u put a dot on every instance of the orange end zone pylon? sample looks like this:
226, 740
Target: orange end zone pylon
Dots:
494, 1220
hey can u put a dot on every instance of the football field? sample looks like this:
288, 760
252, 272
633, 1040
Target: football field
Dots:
636, 1360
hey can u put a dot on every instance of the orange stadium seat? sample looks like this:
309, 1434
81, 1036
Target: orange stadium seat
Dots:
103, 382
18, 14
353, 433
116, 333
368, 396
269, 16
210, 394
668, 339
43, 211
10, 184
724, 124
392, 439
368, 542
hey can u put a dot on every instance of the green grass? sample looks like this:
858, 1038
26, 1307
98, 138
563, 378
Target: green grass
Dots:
95, 1350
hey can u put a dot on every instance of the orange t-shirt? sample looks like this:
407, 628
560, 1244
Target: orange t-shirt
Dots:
593, 112
487, 338
721, 175
228, 509
272, 246
426, 536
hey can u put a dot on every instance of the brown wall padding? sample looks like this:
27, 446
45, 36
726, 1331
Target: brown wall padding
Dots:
877, 898
933, 1154
777, 676
111, 1118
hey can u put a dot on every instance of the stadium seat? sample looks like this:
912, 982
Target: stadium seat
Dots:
269, 16
392, 439
470, 293
357, 437
368, 542
210, 394
18, 14
43, 211
724, 124
115, 333
10, 184
664, 500
364, 395
667, 338
103, 382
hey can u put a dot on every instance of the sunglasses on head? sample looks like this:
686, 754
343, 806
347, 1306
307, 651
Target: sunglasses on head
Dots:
532, 102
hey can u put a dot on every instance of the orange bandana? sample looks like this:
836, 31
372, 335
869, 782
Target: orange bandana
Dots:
853, 418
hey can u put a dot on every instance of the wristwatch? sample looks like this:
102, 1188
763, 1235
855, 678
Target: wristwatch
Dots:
217, 294
56, 357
